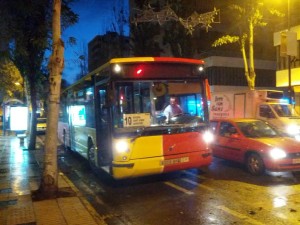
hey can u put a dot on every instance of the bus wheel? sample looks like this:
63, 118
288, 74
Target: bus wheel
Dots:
255, 164
91, 154
65, 147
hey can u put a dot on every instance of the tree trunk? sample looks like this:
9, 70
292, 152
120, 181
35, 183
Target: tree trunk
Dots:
49, 183
33, 106
252, 75
243, 50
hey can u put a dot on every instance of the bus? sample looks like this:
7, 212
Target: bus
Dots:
114, 116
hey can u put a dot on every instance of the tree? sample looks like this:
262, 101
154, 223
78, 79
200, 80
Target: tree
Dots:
177, 36
81, 60
29, 32
49, 187
248, 16
143, 35
10, 79
26, 28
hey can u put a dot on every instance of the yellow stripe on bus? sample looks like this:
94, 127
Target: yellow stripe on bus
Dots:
132, 59
146, 147
145, 157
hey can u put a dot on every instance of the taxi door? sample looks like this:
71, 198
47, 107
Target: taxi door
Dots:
229, 143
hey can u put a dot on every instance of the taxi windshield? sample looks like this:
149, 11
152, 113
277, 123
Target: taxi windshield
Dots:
257, 129
41, 120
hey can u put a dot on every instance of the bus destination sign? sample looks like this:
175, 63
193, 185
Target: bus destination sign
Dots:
136, 120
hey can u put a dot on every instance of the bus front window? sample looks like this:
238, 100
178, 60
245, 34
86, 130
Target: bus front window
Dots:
147, 103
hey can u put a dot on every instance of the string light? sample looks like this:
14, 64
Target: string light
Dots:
167, 14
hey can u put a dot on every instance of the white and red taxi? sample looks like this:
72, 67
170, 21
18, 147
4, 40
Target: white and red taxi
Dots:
256, 144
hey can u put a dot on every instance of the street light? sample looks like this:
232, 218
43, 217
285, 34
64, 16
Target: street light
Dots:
22, 91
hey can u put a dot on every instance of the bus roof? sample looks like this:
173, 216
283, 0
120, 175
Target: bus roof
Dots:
156, 59
136, 60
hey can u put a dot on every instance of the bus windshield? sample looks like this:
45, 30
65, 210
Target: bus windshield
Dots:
157, 104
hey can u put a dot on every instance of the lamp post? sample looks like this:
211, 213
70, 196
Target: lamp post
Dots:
290, 91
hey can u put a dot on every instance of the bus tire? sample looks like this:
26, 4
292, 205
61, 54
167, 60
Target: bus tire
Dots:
91, 154
65, 147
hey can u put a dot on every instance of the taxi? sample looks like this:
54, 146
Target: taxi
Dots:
41, 125
255, 144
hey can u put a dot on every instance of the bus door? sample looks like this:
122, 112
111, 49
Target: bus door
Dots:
103, 118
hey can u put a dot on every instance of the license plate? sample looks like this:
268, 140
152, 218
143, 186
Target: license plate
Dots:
175, 161
296, 161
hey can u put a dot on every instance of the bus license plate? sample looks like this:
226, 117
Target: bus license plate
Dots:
296, 161
175, 161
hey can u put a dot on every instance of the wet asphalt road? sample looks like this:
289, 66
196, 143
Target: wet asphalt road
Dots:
223, 193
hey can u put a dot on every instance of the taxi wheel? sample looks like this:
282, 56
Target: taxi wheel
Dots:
255, 164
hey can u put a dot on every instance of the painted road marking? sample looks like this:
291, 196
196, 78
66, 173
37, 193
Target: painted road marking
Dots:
239, 215
195, 175
179, 188
199, 185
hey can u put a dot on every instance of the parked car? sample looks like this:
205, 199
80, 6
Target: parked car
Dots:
41, 125
255, 144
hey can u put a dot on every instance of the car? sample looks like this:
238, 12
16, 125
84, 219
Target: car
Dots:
255, 144
41, 125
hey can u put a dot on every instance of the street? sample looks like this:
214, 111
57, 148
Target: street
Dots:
223, 193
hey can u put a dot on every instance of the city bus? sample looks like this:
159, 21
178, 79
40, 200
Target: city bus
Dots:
114, 116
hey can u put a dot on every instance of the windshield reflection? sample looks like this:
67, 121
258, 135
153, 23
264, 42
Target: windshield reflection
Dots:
284, 110
158, 106
257, 129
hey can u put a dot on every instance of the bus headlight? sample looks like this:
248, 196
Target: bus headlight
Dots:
277, 153
121, 146
292, 129
208, 137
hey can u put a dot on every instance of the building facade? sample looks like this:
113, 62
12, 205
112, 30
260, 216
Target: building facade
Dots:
104, 47
288, 63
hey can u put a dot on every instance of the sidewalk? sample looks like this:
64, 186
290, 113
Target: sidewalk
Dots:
20, 174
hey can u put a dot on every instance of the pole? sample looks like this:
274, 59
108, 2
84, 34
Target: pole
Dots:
290, 91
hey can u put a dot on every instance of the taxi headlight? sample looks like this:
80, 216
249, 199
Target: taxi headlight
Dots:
292, 129
277, 153
121, 146
208, 137
297, 137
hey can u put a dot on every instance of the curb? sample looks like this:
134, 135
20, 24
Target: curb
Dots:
86, 204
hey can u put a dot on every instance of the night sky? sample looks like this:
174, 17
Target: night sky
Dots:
95, 18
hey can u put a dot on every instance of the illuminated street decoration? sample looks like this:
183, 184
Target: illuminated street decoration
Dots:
206, 19
149, 15
167, 14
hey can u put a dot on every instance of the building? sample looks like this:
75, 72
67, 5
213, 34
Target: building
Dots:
104, 47
287, 44
288, 63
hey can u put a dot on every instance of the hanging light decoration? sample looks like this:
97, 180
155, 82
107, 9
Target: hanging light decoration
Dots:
167, 14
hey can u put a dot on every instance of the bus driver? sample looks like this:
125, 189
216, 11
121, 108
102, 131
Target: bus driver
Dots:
173, 109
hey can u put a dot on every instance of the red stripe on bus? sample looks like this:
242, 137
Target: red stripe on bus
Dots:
190, 151
177, 60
